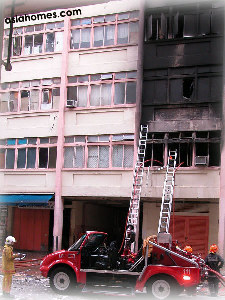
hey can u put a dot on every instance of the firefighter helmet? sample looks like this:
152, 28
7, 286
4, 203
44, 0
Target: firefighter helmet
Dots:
213, 248
10, 240
188, 249
130, 226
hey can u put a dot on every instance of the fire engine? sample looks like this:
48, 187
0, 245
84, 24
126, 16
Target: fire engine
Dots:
160, 267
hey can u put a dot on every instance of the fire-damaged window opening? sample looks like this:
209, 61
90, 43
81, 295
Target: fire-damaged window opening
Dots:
193, 148
188, 87
177, 22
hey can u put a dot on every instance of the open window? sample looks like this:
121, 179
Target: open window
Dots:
46, 99
188, 88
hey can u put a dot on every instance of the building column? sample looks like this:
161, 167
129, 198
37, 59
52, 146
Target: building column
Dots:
221, 233
139, 94
58, 210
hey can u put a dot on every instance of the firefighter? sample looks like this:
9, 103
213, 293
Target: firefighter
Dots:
215, 262
188, 249
8, 268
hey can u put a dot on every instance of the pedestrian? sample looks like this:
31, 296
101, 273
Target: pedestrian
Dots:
8, 268
215, 262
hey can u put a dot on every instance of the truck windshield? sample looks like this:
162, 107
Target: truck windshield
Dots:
77, 244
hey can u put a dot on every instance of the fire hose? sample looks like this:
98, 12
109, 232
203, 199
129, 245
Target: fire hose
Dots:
218, 275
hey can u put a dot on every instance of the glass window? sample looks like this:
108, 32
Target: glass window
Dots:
117, 156
22, 141
11, 142
50, 39
25, 100
2, 158
85, 37
44, 140
34, 99
133, 32
10, 158
56, 98
82, 78
122, 37
21, 159
75, 39
128, 156
68, 157
72, 93
29, 29
92, 157
99, 19
106, 94
131, 92
32, 141
95, 95
28, 47
120, 75
69, 139
110, 18
119, 97
109, 35
72, 79
80, 139
17, 45
38, 42
86, 21
13, 101
103, 157
79, 157
52, 157
98, 36
124, 16
53, 140
82, 96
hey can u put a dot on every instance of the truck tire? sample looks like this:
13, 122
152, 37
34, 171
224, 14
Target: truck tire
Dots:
162, 287
62, 280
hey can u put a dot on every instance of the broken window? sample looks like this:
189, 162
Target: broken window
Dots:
190, 25
188, 87
38, 42
204, 23
156, 27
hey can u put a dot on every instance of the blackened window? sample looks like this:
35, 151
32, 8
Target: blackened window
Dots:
43, 157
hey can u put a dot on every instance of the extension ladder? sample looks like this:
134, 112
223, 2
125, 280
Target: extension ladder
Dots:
133, 217
167, 197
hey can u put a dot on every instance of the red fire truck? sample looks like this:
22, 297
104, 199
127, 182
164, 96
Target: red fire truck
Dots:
168, 270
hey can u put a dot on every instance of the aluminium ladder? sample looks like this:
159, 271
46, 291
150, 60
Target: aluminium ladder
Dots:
133, 215
167, 197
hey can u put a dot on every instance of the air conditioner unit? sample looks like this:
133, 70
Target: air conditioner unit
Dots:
201, 160
71, 103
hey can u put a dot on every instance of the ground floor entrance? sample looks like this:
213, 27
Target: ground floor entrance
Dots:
31, 229
191, 230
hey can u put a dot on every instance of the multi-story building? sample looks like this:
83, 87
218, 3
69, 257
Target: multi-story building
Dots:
182, 105
68, 123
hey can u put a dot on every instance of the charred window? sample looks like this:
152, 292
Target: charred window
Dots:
181, 22
188, 87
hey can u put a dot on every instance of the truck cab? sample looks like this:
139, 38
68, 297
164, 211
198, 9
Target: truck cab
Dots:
90, 261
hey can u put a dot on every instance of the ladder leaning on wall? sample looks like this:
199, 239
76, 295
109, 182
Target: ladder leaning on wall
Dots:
167, 197
133, 215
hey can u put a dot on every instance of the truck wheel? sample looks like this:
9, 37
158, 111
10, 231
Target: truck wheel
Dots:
162, 287
62, 280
